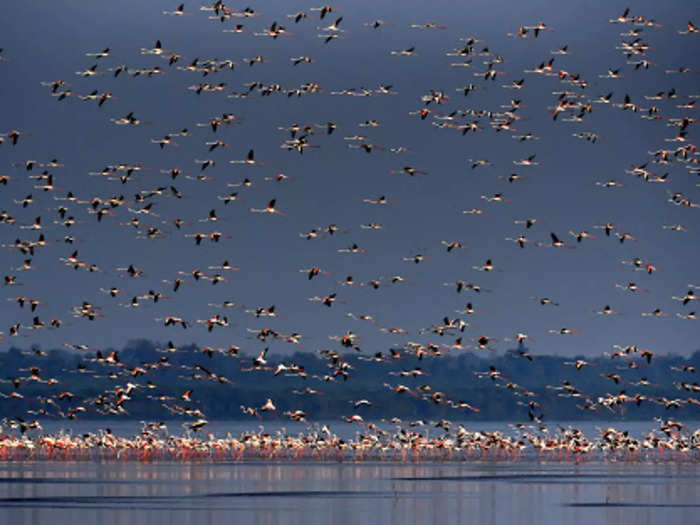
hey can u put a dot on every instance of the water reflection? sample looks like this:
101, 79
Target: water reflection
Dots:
313, 493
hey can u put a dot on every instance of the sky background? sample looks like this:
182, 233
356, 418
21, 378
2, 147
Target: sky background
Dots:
327, 184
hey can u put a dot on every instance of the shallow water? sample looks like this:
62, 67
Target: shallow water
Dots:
320, 493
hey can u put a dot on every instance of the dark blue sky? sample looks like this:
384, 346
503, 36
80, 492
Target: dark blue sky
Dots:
327, 184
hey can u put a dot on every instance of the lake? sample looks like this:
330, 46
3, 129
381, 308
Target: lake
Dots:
319, 493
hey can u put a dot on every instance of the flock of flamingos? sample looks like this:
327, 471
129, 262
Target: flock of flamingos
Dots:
48, 227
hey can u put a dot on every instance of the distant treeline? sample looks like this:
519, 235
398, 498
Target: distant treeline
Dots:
221, 383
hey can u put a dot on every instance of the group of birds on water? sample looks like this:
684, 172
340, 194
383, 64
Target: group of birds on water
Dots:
74, 212
153, 443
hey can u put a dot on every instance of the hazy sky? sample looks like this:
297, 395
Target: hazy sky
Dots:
327, 184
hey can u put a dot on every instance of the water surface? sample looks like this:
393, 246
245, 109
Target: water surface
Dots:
320, 493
